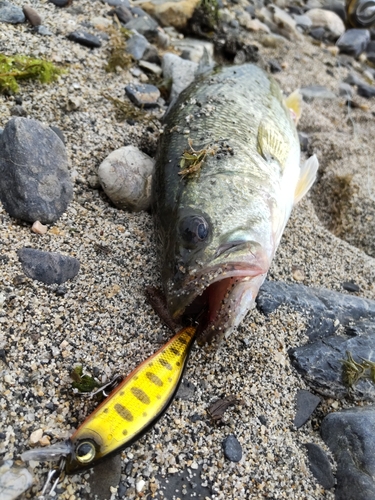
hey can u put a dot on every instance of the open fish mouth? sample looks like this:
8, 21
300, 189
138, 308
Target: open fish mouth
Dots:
217, 298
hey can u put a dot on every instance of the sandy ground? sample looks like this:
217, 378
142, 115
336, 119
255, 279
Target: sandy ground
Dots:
104, 322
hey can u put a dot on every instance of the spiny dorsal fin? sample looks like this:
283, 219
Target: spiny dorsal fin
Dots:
294, 103
306, 178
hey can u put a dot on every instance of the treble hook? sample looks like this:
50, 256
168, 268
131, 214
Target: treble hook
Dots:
54, 475
105, 389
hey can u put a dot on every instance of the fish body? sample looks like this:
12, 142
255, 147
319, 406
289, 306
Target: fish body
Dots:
219, 220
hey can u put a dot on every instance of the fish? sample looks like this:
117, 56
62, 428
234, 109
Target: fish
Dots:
360, 13
226, 178
129, 411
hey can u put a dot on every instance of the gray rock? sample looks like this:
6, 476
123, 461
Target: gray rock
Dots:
286, 24
232, 448
34, 178
353, 79
320, 466
123, 13
318, 33
306, 404
85, 39
18, 110
353, 42
186, 391
317, 92
303, 21
350, 436
180, 71
126, 176
137, 45
145, 25
366, 90
43, 30
60, 3
143, 95
11, 14
194, 50
48, 267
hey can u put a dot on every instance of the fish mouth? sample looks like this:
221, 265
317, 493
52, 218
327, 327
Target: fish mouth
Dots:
218, 296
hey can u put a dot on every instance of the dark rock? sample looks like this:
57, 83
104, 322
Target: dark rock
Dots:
43, 30
353, 79
186, 483
350, 436
303, 140
232, 448
32, 16
320, 466
322, 307
106, 475
263, 420
349, 286
18, 110
365, 90
318, 33
34, 178
186, 390
11, 14
353, 42
274, 66
146, 26
115, 3
306, 404
48, 267
85, 39
321, 364
58, 132
61, 291
143, 95
123, 13
61, 3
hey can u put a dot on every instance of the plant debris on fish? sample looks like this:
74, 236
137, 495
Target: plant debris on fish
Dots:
218, 231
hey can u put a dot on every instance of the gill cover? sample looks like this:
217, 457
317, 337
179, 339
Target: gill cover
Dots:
133, 407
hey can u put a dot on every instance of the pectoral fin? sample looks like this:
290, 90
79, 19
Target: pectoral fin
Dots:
307, 178
294, 103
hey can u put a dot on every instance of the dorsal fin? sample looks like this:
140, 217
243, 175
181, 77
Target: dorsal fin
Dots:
306, 178
294, 103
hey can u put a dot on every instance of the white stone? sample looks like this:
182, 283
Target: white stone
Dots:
140, 485
126, 176
180, 71
39, 228
36, 436
328, 20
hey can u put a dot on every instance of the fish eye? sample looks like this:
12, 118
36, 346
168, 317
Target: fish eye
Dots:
85, 452
194, 229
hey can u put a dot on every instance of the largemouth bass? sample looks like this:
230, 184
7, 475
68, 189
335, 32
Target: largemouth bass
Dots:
227, 176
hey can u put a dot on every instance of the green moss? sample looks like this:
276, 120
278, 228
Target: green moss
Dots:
20, 67
84, 383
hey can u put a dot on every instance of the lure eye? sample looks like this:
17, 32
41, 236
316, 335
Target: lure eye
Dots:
85, 452
194, 229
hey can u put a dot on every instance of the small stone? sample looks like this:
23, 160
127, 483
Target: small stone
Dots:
317, 92
180, 71
328, 20
298, 273
150, 67
39, 228
126, 176
48, 267
146, 26
144, 95
123, 13
303, 141
186, 391
43, 30
35, 437
306, 404
85, 39
286, 24
32, 16
194, 50
302, 21
365, 90
318, 33
115, 3
45, 441
274, 66
34, 177
232, 448
171, 13
350, 286
139, 485
353, 42
11, 14
18, 110
320, 466
137, 45
74, 103
61, 3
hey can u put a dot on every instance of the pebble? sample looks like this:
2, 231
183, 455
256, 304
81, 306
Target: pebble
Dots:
286, 24
274, 66
60, 3
232, 448
39, 228
328, 20
139, 485
320, 466
180, 71
353, 42
317, 92
18, 110
350, 436
123, 13
84, 38
365, 90
137, 45
125, 176
150, 67
115, 3
176, 13
146, 26
10, 13
143, 95
350, 286
35, 437
13, 480
43, 30
34, 178
48, 267
194, 50
303, 21
32, 16
306, 404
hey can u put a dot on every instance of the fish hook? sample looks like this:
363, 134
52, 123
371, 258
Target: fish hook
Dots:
54, 477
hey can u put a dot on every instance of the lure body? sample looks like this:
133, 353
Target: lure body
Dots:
133, 407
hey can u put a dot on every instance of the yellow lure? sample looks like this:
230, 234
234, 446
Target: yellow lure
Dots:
133, 407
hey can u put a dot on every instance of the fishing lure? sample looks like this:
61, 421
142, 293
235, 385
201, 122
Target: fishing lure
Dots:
360, 13
129, 411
